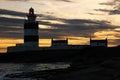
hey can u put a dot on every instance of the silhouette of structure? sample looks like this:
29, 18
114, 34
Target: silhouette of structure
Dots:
59, 44
31, 38
100, 43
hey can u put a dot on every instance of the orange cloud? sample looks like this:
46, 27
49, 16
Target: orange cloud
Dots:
107, 34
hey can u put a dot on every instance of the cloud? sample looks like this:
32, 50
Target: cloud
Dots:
94, 13
10, 27
115, 10
64, 0
14, 13
111, 3
111, 12
108, 3
13, 27
30, 0
76, 27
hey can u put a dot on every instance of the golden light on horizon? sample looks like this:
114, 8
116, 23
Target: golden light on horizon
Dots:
4, 50
48, 42
112, 45
51, 12
44, 42
106, 34
5, 43
82, 41
72, 40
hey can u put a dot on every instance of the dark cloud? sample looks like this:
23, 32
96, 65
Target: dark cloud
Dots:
10, 27
94, 14
111, 12
13, 27
14, 13
111, 3
108, 3
77, 27
114, 12
115, 7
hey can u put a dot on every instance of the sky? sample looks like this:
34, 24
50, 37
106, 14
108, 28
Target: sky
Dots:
77, 20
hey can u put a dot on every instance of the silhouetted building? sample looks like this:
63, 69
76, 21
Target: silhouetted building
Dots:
59, 44
97, 43
63, 44
31, 37
78, 46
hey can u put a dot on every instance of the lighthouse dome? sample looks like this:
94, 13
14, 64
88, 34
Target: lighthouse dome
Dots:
31, 11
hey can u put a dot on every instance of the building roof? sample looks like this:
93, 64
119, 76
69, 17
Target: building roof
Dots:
105, 40
60, 41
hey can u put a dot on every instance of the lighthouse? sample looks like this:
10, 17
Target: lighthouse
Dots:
31, 37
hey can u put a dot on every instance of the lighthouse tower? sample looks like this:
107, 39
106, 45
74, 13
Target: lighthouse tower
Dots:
31, 37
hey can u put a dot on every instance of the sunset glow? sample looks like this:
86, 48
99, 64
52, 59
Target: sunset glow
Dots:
44, 42
75, 20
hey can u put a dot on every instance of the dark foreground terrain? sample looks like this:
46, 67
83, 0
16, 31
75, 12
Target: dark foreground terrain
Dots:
87, 64
61, 55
